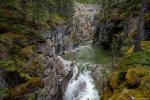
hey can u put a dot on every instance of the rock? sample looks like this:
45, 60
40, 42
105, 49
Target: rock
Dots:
3, 55
132, 78
27, 51
3, 52
130, 94
106, 31
3, 83
114, 81
85, 19
23, 88
133, 26
55, 80
134, 87
82, 86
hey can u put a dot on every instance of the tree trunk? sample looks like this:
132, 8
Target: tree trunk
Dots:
140, 33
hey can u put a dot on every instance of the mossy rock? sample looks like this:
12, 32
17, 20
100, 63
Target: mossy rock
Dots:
135, 76
27, 52
55, 19
117, 15
142, 71
132, 78
37, 64
9, 38
107, 94
144, 74
23, 88
12, 35
136, 85
114, 81
146, 45
145, 83
130, 94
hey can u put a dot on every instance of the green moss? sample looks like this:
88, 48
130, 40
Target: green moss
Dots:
14, 66
146, 45
10, 36
27, 51
23, 88
106, 95
56, 19
114, 81
37, 63
139, 58
128, 94
132, 79
3, 92
145, 82
137, 78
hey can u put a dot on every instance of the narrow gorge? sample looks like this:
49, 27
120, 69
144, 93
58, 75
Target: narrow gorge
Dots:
74, 50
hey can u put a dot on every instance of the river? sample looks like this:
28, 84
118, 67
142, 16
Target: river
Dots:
81, 85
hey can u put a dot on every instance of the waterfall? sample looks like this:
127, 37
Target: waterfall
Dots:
81, 85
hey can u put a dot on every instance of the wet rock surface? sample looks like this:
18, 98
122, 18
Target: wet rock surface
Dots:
106, 31
54, 81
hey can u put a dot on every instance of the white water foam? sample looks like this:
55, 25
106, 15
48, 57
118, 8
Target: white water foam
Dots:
81, 87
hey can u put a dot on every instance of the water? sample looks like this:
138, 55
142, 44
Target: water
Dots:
87, 53
81, 85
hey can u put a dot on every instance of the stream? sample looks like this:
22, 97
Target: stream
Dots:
83, 59
81, 85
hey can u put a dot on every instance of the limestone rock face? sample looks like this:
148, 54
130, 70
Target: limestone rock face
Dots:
85, 20
67, 36
55, 80
106, 31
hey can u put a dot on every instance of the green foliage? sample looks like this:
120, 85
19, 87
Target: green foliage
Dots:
25, 20
9, 65
141, 57
27, 16
3, 92
15, 50
88, 1
14, 66
135, 82
56, 19
65, 8
12, 24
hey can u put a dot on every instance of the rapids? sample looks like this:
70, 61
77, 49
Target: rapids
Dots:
82, 85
